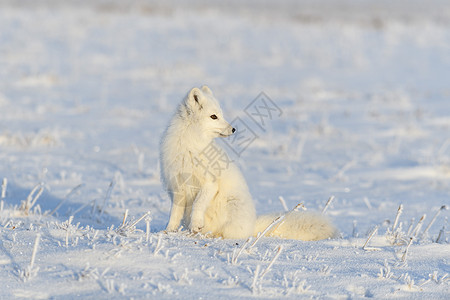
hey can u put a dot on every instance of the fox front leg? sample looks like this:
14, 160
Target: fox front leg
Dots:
176, 212
204, 197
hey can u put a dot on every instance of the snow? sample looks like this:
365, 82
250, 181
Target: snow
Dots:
86, 89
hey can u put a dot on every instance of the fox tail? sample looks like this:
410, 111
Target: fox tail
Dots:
299, 225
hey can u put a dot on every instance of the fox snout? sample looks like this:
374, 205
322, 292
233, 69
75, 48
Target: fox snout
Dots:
229, 130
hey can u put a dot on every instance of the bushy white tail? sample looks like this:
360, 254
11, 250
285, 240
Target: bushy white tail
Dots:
299, 225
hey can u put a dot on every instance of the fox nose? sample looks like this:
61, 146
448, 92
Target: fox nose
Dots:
233, 130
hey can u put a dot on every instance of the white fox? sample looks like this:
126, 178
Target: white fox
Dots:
214, 199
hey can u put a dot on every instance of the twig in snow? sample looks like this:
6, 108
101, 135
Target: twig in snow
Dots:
327, 204
283, 203
109, 286
255, 279
433, 220
32, 198
416, 230
386, 271
73, 191
325, 270
127, 228
148, 219
94, 207
395, 234
274, 222
280, 248
397, 217
140, 219
125, 217
67, 239
435, 278
344, 169
83, 206
367, 202
277, 222
158, 245
443, 148
107, 196
4, 186
409, 282
441, 234
405, 254
35, 248
236, 255
297, 207
90, 273
411, 225
374, 231
140, 158
31, 271
354, 231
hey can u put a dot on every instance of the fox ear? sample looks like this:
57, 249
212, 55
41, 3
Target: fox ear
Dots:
195, 99
206, 89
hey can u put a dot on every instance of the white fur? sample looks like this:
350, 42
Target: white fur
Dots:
217, 202
306, 226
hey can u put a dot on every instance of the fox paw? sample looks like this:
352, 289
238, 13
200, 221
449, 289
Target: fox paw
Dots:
196, 227
170, 228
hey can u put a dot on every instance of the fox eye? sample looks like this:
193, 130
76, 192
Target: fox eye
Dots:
214, 117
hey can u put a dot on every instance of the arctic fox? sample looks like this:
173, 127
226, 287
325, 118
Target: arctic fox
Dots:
212, 197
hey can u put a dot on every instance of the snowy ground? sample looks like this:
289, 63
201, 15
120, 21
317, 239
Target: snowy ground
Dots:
87, 89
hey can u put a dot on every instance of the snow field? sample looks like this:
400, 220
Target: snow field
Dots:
86, 91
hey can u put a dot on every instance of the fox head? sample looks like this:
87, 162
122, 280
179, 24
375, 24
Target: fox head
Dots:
205, 113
